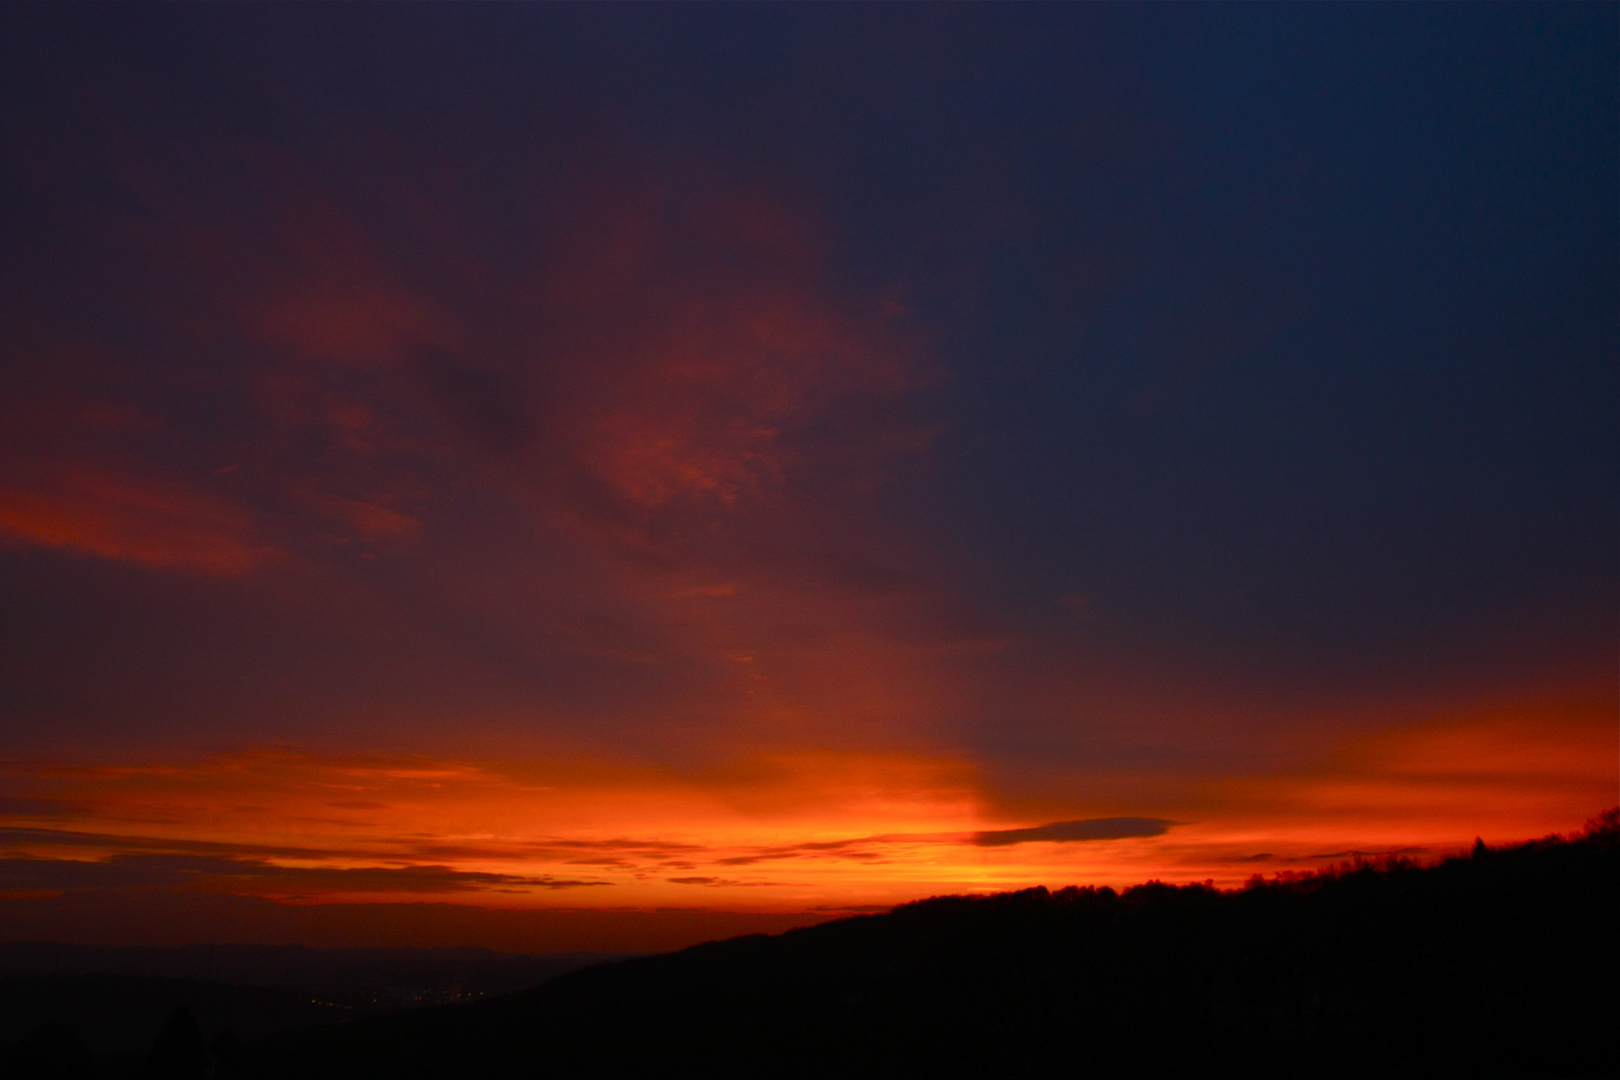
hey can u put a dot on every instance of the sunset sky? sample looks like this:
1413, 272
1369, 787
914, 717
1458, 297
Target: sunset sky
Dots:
604, 477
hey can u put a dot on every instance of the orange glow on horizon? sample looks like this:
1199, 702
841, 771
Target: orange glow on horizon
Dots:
799, 832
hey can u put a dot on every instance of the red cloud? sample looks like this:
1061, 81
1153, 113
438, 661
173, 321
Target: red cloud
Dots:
739, 352
368, 326
332, 296
152, 522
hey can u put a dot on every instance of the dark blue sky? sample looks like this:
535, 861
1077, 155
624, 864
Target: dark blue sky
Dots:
1285, 337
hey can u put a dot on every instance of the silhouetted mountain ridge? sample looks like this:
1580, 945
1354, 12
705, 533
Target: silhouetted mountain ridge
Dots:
1499, 963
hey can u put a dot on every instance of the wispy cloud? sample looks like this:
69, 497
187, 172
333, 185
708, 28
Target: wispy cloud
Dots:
285, 824
258, 877
156, 522
1064, 832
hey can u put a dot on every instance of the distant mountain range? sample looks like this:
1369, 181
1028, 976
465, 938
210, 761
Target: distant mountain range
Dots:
1502, 963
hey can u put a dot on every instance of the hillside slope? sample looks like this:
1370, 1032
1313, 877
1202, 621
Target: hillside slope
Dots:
1502, 963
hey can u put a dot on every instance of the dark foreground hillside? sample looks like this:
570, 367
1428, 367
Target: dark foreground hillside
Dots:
1506, 963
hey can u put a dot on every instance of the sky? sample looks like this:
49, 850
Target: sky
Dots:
609, 476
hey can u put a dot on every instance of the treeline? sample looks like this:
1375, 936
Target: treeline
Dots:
1502, 963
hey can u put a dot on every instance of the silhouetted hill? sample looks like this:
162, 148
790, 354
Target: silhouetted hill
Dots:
1499, 964
1503, 963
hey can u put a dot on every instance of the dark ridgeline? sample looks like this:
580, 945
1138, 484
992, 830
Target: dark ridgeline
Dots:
1501, 963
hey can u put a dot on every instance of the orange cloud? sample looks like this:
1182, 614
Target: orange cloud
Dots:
155, 523
281, 824
1421, 789
811, 831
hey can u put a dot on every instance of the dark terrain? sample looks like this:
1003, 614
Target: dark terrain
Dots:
1503, 963
348, 980
96, 1011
